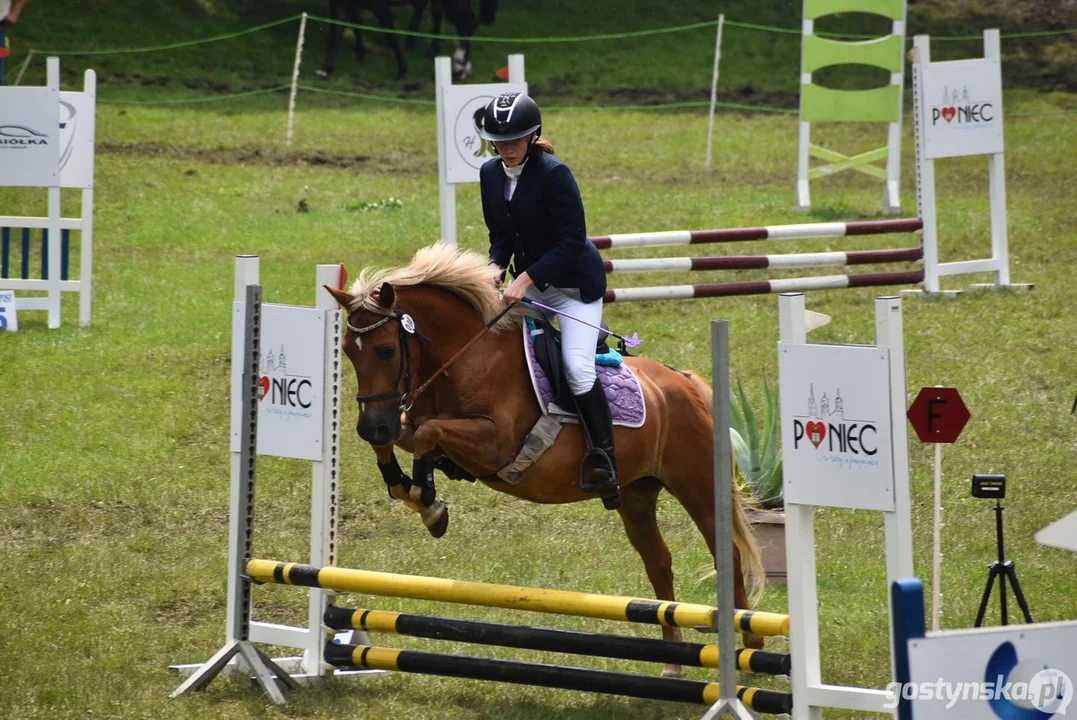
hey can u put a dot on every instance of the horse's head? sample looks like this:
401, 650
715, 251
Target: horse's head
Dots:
382, 345
455, 290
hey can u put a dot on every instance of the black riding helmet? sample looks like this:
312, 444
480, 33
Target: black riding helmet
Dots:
510, 116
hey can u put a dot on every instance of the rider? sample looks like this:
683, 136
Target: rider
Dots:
533, 210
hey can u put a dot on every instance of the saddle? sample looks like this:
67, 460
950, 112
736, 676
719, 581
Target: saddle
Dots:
546, 339
542, 350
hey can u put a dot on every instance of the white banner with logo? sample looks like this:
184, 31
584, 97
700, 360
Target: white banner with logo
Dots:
1018, 673
837, 448
291, 381
29, 137
76, 140
465, 150
961, 108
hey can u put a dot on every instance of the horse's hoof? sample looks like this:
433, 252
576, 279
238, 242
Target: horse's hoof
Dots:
753, 641
673, 671
441, 526
323, 74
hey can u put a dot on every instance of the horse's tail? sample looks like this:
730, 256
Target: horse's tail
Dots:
751, 559
487, 11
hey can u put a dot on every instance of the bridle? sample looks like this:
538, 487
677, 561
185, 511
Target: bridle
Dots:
407, 327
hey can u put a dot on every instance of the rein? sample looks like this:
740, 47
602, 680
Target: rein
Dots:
407, 326
445, 365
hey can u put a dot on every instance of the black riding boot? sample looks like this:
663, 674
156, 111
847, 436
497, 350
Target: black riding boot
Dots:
598, 424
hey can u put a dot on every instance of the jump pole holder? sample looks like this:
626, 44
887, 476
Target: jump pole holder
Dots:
239, 644
728, 703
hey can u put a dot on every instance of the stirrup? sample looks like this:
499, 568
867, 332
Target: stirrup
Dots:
605, 467
609, 489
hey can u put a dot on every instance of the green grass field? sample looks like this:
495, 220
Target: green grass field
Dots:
114, 438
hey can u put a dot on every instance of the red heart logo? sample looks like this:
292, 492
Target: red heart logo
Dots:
948, 113
816, 432
263, 388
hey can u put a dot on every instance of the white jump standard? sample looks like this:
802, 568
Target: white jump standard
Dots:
49, 143
844, 444
298, 375
953, 124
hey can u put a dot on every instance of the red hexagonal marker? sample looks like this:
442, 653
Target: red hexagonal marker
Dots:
938, 415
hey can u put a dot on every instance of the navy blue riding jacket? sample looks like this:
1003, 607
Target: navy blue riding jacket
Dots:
543, 226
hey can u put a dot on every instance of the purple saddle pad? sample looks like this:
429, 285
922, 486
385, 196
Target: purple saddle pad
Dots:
623, 392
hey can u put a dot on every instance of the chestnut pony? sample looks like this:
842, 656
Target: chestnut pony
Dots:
404, 323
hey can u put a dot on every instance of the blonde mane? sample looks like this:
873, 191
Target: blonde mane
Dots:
467, 274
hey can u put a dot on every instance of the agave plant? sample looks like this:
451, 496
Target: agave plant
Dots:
757, 454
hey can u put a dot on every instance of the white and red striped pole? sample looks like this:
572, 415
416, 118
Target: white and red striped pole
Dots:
802, 231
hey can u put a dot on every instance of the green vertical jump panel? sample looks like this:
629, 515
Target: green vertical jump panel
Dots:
821, 104
890, 9
884, 52
875, 105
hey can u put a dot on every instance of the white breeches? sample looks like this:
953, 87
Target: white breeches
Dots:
578, 341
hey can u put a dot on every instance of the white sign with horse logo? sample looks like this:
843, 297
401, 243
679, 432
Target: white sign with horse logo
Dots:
465, 150
835, 415
291, 377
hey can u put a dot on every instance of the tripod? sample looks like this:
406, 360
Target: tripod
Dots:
1002, 569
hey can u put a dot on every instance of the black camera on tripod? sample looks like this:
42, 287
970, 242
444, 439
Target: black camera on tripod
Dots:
989, 486
994, 486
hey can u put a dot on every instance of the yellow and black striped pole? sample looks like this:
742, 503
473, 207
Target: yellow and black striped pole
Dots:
553, 676
550, 640
607, 607
761, 623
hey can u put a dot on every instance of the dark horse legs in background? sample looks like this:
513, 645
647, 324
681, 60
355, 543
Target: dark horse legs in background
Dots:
348, 11
459, 13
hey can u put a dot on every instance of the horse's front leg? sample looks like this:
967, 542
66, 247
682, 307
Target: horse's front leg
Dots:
477, 439
400, 486
381, 11
336, 34
418, 8
435, 43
